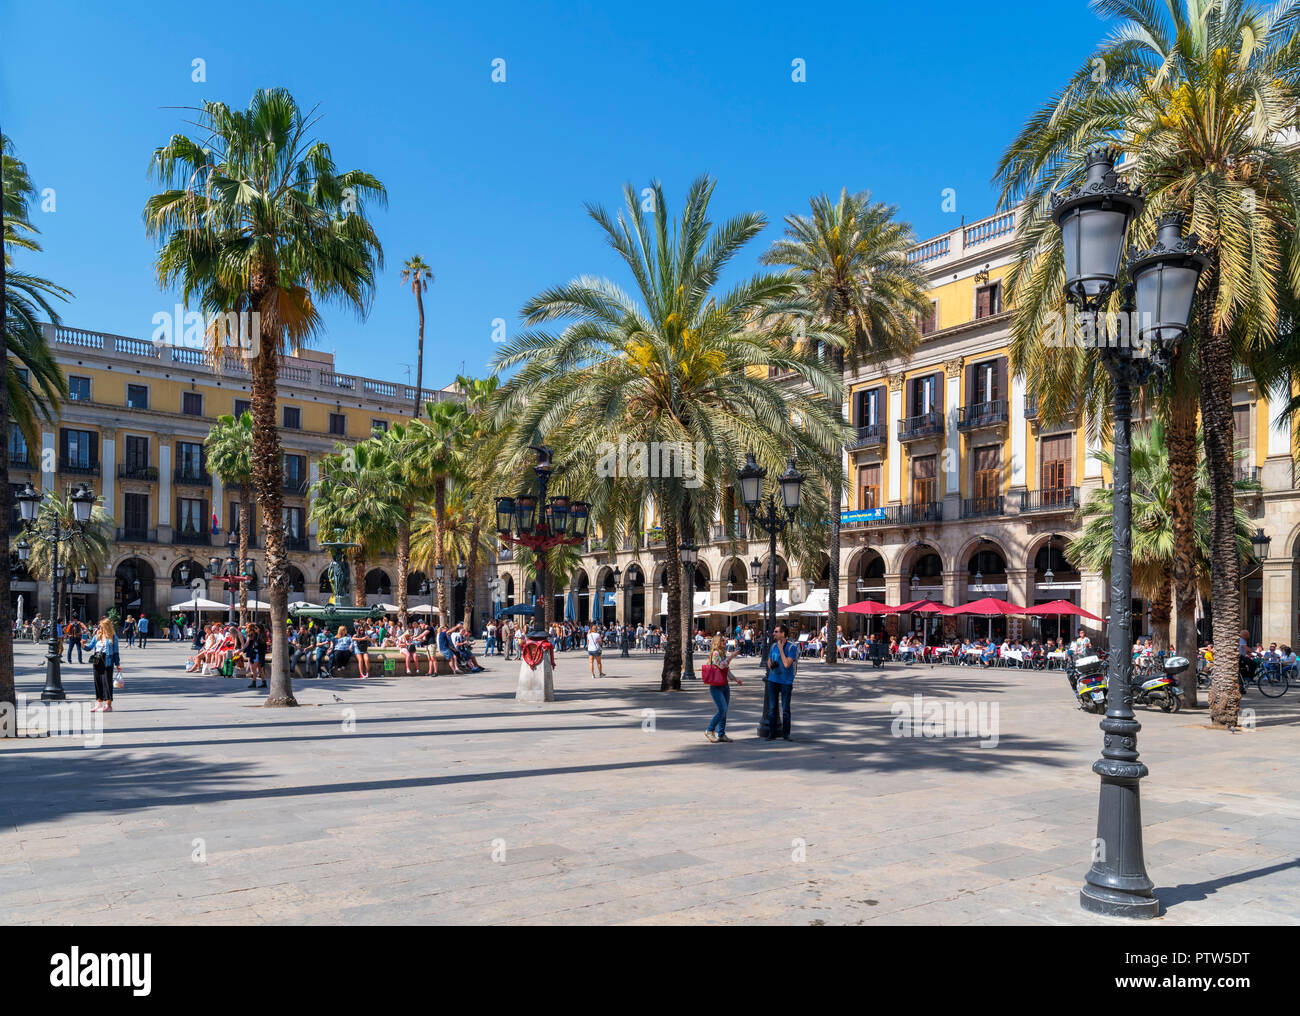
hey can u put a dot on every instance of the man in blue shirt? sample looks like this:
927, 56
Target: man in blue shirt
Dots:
780, 675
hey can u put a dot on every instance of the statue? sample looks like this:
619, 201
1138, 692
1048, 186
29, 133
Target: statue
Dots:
337, 573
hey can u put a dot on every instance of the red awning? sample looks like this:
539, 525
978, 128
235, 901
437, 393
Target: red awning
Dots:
986, 607
1059, 607
922, 607
868, 607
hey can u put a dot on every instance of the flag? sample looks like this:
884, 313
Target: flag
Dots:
216, 526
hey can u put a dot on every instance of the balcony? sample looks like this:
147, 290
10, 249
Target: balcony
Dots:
294, 485
893, 515
867, 436
920, 513
720, 532
78, 468
982, 415
926, 425
192, 538
1031, 407
129, 534
1054, 499
19, 459
130, 471
192, 477
296, 543
981, 507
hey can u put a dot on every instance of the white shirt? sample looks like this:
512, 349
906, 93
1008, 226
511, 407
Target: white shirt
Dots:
593, 641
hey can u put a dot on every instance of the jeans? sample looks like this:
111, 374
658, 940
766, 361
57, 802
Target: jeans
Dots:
781, 706
144, 638
721, 698
77, 643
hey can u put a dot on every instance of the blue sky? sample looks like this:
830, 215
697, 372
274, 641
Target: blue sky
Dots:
487, 180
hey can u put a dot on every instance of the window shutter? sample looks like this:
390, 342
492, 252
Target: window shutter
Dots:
938, 392
1000, 388
983, 301
63, 443
179, 520
94, 448
205, 520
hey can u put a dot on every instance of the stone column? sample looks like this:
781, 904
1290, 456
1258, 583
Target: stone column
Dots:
164, 493
951, 458
1279, 467
1279, 620
49, 461
1019, 433
895, 447
108, 454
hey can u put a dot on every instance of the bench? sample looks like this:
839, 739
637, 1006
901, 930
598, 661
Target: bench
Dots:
380, 660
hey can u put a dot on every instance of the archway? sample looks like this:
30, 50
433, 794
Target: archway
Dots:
635, 592
133, 588
582, 604
867, 582
378, 583
1055, 577
297, 582
986, 574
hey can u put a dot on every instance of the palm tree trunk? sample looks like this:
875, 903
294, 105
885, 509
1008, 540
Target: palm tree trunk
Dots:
1180, 439
8, 699
439, 548
268, 477
359, 577
245, 524
833, 593
403, 565
419, 360
671, 678
1215, 360
1161, 601
471, 574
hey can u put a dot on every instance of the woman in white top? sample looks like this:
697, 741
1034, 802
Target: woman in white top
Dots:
593, 652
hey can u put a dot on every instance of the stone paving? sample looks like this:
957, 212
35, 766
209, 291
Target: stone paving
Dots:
442, 800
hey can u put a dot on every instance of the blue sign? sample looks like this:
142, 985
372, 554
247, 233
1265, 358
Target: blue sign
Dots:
863, 515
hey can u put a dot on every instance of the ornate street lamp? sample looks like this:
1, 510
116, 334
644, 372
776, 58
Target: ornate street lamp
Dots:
29, 502
771, 517
690, 554
1094, 218
541, 524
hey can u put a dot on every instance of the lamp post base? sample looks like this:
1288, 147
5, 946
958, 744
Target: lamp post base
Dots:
764, 727
53, 690
1117, 884
536, 683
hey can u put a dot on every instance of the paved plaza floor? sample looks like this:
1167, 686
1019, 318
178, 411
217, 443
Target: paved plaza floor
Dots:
410, 800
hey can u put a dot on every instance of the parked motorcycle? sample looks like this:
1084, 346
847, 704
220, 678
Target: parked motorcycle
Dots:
1087, 676
1162, 689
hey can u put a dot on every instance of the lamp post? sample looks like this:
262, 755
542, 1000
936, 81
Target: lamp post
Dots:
83, 499
1260, 542
772, 518
229, 573
624, 585
427, 589
690, 554
1094, 218
540, 524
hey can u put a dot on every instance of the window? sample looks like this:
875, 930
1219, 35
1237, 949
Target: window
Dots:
137, 396
987, 463
17, 446
189, 516
378, 426
986, 383
1244, 459
192, 403
78, 388
80, 448
189, 460
137, 453
295, 472
292, 519
923, 389
869, 486
136, 517
338, 423
292, 418
924, 481
988, 300
242, 406
1057, 453
930, 322
869, 407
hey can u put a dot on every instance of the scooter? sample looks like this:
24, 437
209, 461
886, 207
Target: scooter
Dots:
1162, 690
1087, 676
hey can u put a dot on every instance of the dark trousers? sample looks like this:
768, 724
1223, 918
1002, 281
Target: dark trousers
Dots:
778, 720
144, 639
104, 682
77, 643
340, 658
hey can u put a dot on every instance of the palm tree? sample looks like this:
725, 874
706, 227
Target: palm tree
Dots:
257, 219
436, 458
483, 461
1153, 491
412, 489
23, 298
88, 544
1200, 97
419, 275
687, 365
354, 495
230, 455
850, 258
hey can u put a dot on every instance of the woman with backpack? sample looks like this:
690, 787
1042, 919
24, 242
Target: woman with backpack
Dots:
717, 676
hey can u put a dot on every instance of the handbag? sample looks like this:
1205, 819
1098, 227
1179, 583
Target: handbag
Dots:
713, 674
98, 658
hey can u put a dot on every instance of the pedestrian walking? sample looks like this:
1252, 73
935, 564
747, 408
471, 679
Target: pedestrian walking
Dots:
717, 676
74, 632
142, 629
780, 677
593, 652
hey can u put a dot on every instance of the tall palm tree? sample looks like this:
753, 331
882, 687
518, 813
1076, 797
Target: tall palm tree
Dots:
850, 258
419, 275
483, 452
354, 495
436, 458
23, 396
1153, 491
1200, 97
686, 364
230, 457
257, 219
412, 488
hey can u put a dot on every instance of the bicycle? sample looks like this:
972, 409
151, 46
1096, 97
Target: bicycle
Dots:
1271, 678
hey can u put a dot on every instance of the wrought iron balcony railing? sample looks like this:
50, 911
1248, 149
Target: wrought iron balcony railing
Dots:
982, 414
1051, 499
867, 435
133, 472
981, 507
924, 425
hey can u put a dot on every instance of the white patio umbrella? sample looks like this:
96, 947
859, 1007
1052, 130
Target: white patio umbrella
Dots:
728, 607
423, 608
299, 604
257, 604
199, 603
388, 608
